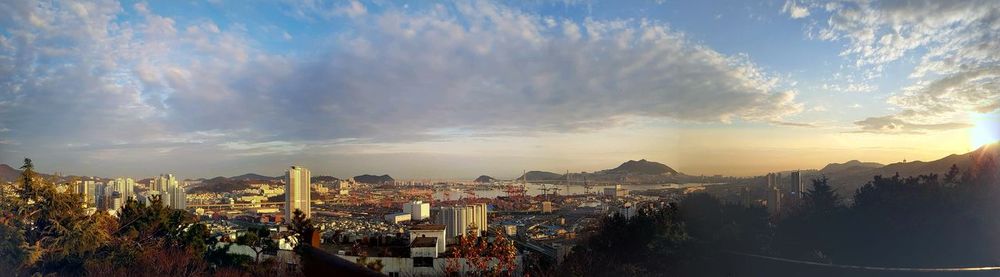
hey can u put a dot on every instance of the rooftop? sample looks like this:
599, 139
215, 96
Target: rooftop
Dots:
428, 227
424, 242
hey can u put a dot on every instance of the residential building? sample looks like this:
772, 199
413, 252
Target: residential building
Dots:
297, 185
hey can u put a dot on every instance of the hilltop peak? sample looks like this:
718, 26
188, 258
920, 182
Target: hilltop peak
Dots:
485, 179
852, 164
644, 167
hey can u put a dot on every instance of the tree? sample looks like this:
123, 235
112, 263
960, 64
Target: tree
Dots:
505, 252
47, 232
952, 176
302, 227
258, 239
51, 231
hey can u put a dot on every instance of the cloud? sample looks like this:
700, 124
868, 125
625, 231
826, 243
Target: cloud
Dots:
956, 44
480, 67
90, 79
795, 10
352, 9
893, 125
793, 124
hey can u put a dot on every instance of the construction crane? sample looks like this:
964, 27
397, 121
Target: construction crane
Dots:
568, 182
545, 191
514, 191
587, 186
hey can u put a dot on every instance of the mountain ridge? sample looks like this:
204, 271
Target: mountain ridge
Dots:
373, 179
485, 179
643, 167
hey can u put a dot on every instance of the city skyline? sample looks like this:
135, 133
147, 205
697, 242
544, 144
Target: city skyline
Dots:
456, 90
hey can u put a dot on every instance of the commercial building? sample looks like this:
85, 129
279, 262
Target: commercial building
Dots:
172, 194
397, 218
459, 220
418, 210
164, 181
774, 200
795, 186
616, 192
297, 184
437, 231
178, 196
626, 210
87, 189
746, 196
124, 186
546, 206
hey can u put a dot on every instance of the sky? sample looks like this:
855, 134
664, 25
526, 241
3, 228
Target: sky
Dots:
427, 89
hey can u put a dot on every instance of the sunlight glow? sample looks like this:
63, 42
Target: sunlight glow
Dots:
986, 131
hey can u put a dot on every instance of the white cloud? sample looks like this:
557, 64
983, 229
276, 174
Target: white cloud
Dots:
794, 9
893, 125
352, 9
400, 75
959, 53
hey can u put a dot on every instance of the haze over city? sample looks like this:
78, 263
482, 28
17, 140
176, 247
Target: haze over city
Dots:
455, 90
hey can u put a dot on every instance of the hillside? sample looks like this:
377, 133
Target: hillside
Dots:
643, 167
854, 177
219, 185
485, 179
8, 174
540, 175
852, 165
372, 179
254, 177
323, 179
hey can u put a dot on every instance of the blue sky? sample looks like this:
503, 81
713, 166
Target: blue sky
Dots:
459, 89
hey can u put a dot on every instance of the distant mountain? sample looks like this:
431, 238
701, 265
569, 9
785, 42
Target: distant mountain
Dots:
849, 165
643, 167
372, 179
254, 177
8, 174
221, 185
541, 175
323, 179
850, 179
485, 179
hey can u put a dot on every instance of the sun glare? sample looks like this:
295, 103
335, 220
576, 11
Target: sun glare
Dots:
986, 131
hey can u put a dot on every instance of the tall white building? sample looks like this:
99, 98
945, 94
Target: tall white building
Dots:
774, 200
796, 184
88, 189
124, 186
418, 210
460, 219
171, 192
178, 196
164, 181
297, 184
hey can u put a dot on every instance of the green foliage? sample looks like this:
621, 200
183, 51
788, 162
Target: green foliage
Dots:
259, 239
650, 243
47, 232
893, 221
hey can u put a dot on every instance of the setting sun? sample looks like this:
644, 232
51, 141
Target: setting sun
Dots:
986, 130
